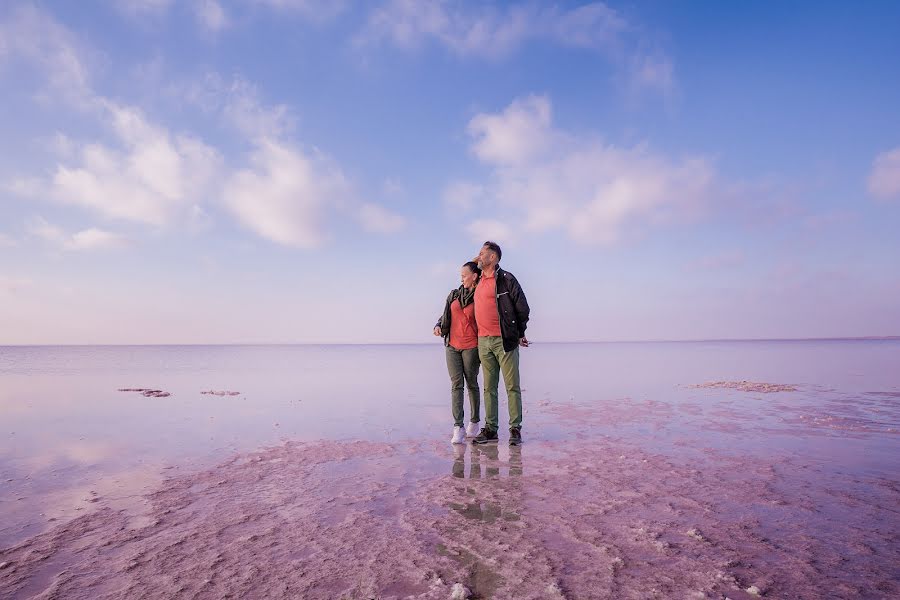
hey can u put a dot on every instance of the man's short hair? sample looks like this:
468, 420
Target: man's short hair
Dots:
495, 247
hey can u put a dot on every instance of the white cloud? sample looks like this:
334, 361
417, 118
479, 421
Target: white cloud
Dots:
93, 238
490, 229
31, 36
199, 219
244, 111
6, 241
377, 219
26, 187
211, 15
517, 135
238, 103
59, 144
488, 31
285, 194
62, 145
622, 188
545, 179
884, 179
39, 227
151, 175
150, 178
461, 197
87, 239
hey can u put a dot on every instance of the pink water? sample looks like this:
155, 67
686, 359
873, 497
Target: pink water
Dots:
330, 474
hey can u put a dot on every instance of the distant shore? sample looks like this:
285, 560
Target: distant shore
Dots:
429, 343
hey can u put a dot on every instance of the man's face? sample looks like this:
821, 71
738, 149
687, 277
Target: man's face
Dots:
486, 257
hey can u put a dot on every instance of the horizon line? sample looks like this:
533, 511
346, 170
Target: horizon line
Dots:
643, 341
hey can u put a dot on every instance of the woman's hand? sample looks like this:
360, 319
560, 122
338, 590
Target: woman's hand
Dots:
523, 341
437, 331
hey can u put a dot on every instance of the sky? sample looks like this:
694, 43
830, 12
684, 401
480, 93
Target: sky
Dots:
308, 171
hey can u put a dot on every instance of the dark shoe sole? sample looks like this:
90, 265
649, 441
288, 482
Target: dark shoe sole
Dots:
515, 442
479, 442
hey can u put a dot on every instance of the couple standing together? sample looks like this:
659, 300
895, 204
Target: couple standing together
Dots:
483, 325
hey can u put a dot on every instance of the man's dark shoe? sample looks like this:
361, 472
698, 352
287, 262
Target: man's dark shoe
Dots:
487, 436
515, 436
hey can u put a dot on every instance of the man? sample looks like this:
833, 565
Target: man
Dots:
501, 313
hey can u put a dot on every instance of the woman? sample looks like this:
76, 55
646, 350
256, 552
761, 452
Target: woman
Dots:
457, 326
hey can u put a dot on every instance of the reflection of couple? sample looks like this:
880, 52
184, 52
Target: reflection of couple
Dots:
492, 462
488, 504
484, 324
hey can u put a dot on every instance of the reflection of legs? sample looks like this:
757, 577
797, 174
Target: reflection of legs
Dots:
474, 465
509, 364
471, 362
459, 461
456, 371
493, 456
515, 461
491, 369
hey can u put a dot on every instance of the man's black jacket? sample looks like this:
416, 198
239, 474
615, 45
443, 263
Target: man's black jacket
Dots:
511, 304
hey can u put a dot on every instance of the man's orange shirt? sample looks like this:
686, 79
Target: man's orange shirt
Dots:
487, 317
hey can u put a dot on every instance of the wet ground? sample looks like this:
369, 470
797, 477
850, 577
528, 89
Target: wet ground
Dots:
676, 490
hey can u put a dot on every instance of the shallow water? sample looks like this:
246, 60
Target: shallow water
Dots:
793, 492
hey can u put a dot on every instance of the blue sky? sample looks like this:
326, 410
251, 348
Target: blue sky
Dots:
278, 171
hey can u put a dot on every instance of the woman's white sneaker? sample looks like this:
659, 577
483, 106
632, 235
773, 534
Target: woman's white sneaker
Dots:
472, 429
459, 436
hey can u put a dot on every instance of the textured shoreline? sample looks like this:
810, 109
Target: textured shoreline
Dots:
565, 519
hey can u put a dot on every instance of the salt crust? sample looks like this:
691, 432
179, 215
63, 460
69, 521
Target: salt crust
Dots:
748, 386
553, 520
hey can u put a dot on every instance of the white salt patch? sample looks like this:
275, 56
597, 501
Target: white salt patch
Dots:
459, 592
695, 533
553, 591
753, 590
748, 386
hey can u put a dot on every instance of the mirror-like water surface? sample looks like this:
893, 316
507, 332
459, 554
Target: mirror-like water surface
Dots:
75, 446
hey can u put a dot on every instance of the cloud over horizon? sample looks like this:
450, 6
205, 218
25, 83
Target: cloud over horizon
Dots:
485, 30
259, 145
157, 177
547, 179
284, 194
86, 239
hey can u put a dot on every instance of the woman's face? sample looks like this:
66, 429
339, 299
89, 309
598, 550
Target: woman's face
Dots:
467, 277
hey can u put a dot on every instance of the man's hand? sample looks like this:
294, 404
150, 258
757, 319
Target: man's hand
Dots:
523, 342
437, 331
